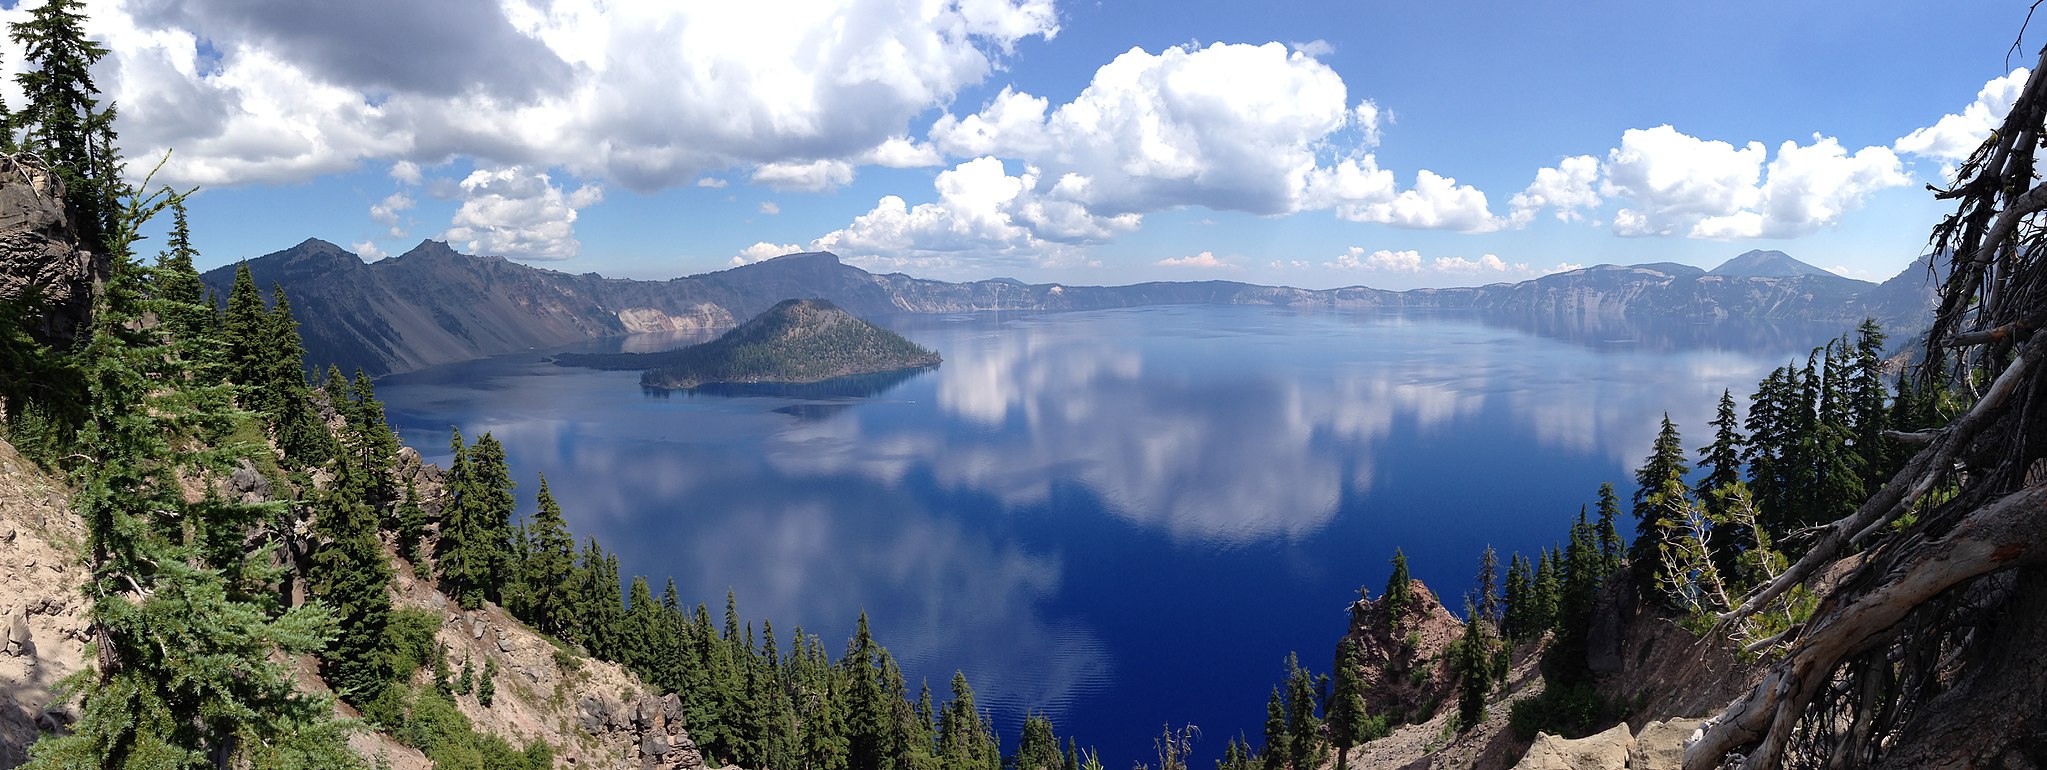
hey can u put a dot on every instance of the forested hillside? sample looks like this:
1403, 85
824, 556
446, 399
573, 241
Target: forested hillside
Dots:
796, 341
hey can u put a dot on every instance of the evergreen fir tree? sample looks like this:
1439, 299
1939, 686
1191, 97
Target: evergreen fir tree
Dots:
283, 393
188, 315
1548, 589
1518, 625
466, 681
487, 685
1349, 721
1398, 595
1666, 461
411, 526
1768, 433
183, 674
1471, 658
244, 332
1869, 415
351, 574
1488, 603
1278, 753
1037, 748
1611, 549
64, 122
1303, 727
550, 567
1721, 460
376, 449
489, 506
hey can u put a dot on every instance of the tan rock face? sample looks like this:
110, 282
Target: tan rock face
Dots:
1604, 751
37, 255
1401, 660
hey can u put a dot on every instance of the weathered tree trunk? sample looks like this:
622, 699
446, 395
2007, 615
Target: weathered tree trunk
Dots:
2009, 533
1995, 716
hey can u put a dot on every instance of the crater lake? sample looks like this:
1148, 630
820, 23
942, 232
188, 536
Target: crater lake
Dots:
1120, 519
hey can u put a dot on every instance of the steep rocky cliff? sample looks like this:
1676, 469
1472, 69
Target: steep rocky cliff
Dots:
431, 305
41, 267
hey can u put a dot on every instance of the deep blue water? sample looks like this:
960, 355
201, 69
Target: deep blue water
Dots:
1122, 519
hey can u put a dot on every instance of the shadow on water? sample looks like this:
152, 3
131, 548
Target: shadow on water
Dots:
841, 388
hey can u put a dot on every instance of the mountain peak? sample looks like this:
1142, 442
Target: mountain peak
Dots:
431, 248
1759, 263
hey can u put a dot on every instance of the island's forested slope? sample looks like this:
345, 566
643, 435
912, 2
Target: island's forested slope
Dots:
797, 341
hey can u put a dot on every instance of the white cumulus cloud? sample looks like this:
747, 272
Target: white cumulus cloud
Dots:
386, 212
1205, 260
814, 176
1568, 188
1257, 128
519, 213
984, 212
763, 250
644, 95
1955, 136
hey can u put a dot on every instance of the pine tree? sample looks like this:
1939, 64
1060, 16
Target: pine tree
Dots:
1547, 591
1471, 658
1517, 625
550, 567
1768, 432
1350, 723
1488, 603
1721, 460
188, 315
456, 552
351, 574
1869, 415
486, 685
466, 681
1666, 461
489, 503
376, 447
64, 122
243, 332
1037, 748
1398, 595
1611, 549
282, 391
1303, 727
1278, 753
184, 673
411, 526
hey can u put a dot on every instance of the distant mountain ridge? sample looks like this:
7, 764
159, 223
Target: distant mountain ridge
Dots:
432, 306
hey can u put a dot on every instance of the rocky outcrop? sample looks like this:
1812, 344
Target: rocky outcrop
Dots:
41, 266
1659, 746
1401, 660
431, 305
1604, 751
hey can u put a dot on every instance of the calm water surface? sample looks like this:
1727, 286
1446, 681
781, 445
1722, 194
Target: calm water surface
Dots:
1121, 519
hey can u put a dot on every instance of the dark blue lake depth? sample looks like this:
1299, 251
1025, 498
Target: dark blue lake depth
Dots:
1121, 519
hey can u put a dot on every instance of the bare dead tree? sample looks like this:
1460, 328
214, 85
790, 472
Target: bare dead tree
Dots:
1929, 653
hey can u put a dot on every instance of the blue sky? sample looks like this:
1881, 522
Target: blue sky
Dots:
1304, 143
